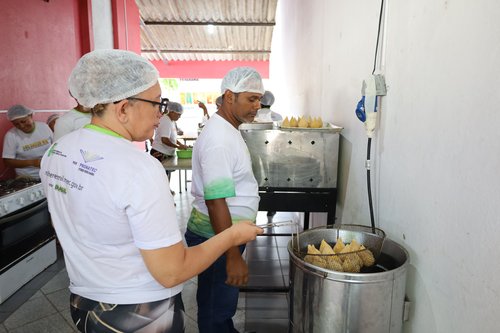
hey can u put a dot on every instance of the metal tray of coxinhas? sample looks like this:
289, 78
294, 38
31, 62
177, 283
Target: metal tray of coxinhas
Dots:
326, 127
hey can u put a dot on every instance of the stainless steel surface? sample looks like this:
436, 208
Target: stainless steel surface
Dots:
256, 126
293, 158
15, 195
328, 301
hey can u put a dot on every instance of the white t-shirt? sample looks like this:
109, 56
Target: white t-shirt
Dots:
267, 115
27, 146
107, 200
166, 129
222, 168
70, 121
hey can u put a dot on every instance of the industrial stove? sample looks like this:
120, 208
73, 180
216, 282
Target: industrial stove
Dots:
27, 239
296, 168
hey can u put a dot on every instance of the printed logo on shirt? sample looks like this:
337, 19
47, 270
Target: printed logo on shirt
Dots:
36, 144
54, 151
88, 157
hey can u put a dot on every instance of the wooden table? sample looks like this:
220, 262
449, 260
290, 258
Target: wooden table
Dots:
174, 164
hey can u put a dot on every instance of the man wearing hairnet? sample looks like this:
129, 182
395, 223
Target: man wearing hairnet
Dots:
25, 143
225, 191
265, 114
111, 207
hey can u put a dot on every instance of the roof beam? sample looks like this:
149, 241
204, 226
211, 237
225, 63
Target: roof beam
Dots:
249, 24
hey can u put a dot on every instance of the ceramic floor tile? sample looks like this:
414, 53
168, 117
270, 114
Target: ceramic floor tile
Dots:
67, 316
29, 312
265, 267
60, 299
267, 326
267, 306
262, 253
50, 324
58, 282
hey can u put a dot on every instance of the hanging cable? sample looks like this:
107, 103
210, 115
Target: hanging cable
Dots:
369, 144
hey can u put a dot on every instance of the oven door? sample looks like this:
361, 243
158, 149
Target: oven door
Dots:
24, 231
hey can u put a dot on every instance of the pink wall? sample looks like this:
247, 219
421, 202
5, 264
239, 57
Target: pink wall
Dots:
206, 69
41, 42
126, 25
40, 45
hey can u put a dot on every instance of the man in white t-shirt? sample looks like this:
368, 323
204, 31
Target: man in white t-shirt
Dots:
111, 208
265, 113
72, 120
225, 191
25, 144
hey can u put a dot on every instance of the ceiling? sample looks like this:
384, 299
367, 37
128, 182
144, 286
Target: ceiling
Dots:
207, 30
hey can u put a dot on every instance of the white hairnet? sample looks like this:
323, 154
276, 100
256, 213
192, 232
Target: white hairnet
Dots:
105, 76
18, 111
52, 117
174, 107
242, 79
218, 101
267, 98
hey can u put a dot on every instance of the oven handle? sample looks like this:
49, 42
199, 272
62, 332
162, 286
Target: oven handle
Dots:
25, 213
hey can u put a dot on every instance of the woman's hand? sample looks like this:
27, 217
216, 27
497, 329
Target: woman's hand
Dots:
244, 232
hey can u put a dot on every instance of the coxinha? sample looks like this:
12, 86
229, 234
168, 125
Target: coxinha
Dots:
303, 122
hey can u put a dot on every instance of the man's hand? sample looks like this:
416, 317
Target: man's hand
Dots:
236, 268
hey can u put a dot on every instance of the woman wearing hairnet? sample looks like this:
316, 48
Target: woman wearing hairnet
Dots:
111, 207
25, 144
165, 140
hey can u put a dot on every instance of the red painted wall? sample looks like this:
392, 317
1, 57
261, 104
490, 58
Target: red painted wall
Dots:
206, 69
40, 43
126, 25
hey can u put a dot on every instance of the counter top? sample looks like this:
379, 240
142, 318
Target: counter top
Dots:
175, 163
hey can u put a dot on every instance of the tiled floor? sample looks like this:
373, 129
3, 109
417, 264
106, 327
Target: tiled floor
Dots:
42, 304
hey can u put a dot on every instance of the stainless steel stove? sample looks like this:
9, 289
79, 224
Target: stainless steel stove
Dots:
17, 194
27, 239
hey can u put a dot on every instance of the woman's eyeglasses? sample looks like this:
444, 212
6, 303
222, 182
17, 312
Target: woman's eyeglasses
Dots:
162, 105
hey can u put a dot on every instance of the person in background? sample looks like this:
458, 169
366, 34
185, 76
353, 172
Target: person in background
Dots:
225, 191
111, 208
25, 144
205, 117
202, 106
165, 140
265, 113
51, 120
72, 120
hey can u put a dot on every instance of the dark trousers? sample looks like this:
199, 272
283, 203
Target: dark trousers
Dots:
217, 301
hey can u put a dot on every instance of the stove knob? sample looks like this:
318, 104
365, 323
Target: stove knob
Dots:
20, 201
40, 193
32, 196
4, 207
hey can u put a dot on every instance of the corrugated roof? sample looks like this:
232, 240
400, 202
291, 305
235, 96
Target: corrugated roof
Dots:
207, 29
